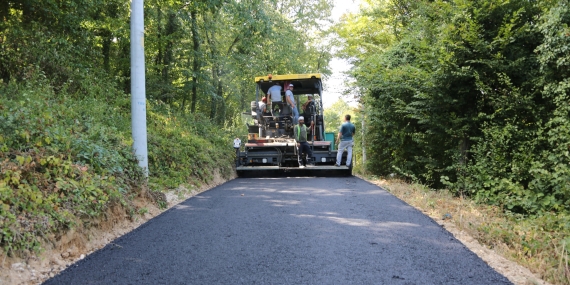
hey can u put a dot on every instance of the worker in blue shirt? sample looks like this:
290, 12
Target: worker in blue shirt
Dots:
291, 101
345, 134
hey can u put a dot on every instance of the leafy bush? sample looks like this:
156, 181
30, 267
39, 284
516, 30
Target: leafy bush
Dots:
471, 96
66, 158
57, 164
522, 159
186, 147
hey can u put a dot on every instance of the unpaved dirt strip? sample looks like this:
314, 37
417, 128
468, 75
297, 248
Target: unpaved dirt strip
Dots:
286, 231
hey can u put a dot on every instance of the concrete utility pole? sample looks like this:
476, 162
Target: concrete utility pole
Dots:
363, 139
138, 91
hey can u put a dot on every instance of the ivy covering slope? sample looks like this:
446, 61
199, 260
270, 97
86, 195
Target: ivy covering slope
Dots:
65, 137
65, 160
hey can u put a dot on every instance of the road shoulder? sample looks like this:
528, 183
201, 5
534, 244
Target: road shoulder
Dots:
513, 271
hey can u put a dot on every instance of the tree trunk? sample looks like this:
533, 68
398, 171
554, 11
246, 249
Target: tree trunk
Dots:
216, 73
107, 40
214, 98
158, 59
185, 95
126, 51
222, 109
196, 62
168, 54
363, 143
463, 150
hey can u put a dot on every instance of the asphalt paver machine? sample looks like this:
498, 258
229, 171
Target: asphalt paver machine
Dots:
271, 148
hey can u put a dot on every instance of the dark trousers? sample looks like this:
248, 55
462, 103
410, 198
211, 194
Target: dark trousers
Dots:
277, 104
304, 149
237, 156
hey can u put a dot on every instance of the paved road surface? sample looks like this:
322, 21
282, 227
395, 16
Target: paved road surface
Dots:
286, 231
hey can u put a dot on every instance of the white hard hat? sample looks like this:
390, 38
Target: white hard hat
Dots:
301, 118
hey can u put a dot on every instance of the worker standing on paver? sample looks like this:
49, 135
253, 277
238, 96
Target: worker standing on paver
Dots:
274, 94
291, 101
263, 105
302, 144
345, 140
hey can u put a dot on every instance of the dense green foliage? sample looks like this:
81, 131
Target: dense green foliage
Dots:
201, 56
65, 136
59, 160
468, 95
65, 160
472, 96
334, 115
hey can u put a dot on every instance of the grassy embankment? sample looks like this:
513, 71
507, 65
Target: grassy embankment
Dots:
539, 243
66, 159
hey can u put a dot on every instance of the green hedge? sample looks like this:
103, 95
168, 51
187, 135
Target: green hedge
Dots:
65, 157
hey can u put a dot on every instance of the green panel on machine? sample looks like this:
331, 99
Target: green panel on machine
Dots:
330, 138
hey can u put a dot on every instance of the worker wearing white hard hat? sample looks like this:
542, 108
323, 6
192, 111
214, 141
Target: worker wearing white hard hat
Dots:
303, 147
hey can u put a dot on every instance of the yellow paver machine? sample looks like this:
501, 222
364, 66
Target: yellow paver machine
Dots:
271, 147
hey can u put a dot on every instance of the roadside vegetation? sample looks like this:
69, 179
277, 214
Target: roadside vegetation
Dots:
465, 95
66, 159
533, 242
472, 96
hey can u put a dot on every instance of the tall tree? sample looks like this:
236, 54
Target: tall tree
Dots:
456, 95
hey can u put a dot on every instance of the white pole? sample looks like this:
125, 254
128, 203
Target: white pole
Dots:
363, 141
138, 92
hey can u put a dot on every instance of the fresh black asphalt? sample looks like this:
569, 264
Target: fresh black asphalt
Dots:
286, 231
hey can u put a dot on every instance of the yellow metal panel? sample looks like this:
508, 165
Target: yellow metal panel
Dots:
288, 77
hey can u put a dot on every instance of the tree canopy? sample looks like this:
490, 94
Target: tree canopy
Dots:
201, 55
467, 94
